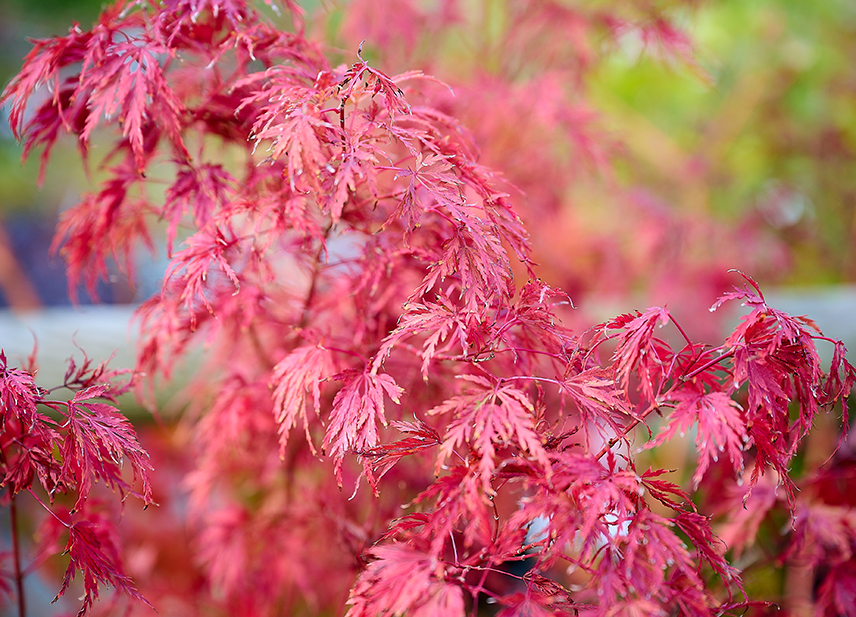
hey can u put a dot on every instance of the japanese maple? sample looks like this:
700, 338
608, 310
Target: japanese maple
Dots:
386, 415
59, 449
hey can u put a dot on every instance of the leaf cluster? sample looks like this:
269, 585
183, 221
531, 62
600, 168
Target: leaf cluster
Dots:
61, 449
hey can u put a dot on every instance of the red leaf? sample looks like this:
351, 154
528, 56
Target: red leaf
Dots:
181, 19
502, 415
98, 442
355, 166
839, 384
720, 428
474, 255
532, 605
45, 65
357, 408
582, 503
292, 120
446, 325
28, 451
824, 534
123, 78
402, 580
380, 459
648, 549
201, 191
361, 78
92, 553
598, 398
662, 490
639, 350
18, 396
86, 375
836, 595
459, 505
708, 546
103, 225
434, 182
298, 374
206, 247
534, 311
744, 515
543, 598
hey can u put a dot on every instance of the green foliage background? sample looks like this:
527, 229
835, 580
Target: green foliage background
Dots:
779, 111
21, 20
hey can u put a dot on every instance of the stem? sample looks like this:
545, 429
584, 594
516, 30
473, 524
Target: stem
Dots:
636, 422
799, 575
347, 352
477, 590
681, 330
51, 512
521, 350
443, 215
316, 269
258, 347
598, 342
706, 366
378, 198
439, 356
696, 353
533, 378
16, 551
495, 518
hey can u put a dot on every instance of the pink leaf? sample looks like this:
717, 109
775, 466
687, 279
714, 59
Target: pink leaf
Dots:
720, 428
402, 580
92, 553
357, 409
298, 374
484, 419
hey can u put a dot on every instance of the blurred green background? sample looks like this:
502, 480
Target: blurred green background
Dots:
774, 128
20, 21
28, 214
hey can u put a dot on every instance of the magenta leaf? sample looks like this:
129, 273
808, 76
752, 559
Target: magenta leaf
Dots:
99, 441
357, 409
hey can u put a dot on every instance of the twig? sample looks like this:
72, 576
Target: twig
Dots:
16, 551
706, 366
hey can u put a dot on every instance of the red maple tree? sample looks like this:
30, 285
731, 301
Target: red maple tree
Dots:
352, 271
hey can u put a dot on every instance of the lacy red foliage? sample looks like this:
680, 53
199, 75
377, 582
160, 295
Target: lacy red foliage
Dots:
68, 449
341, 246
